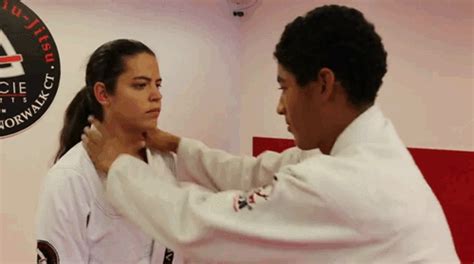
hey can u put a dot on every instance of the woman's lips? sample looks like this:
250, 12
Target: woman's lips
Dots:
155, 112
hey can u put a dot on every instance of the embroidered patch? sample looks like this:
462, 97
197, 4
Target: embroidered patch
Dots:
240, 202
46, 253
247, 200
169, 255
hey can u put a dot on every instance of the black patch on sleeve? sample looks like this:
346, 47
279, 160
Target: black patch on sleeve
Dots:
169, 255
46, 253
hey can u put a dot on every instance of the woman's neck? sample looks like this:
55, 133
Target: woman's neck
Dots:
128, 137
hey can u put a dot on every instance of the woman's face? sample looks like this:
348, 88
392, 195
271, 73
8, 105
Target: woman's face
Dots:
136, 102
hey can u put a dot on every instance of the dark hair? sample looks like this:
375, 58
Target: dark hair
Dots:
105, 65
341, 39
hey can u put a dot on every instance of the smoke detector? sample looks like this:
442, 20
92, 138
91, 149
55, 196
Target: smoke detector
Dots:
239, 6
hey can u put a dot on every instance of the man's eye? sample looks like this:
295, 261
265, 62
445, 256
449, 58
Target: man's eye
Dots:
140, 85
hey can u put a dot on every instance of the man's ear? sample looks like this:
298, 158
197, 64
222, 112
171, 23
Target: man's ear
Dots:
101, 94
326, 80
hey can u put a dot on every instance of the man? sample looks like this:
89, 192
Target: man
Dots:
349, 193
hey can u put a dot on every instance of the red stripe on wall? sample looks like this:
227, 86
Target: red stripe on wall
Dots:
450, 175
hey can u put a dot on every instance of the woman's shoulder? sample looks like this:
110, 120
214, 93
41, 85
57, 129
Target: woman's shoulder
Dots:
75, 168
66, 188
75, 159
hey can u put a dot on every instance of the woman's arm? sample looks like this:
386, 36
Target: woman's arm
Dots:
63, 217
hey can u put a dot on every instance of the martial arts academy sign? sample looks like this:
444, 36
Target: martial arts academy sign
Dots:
29, 67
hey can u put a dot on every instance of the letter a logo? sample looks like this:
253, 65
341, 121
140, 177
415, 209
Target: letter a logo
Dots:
15, 68
30, 68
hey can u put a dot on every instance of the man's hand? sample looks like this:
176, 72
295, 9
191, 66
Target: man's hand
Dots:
102, 147
161, 140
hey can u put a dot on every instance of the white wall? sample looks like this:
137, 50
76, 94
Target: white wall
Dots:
197, 43
427, 92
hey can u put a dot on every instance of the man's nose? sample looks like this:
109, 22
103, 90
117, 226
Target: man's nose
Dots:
281, 107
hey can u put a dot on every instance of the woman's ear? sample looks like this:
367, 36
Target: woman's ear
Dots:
100, 94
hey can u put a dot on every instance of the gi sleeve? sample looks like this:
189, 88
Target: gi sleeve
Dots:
218, 170
62, 218
281, 221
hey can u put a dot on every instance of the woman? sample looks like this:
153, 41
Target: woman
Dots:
75, 222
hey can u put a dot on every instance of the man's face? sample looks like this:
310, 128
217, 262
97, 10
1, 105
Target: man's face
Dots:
300, 107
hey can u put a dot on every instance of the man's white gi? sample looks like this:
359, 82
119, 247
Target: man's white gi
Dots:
75, 220
366, 202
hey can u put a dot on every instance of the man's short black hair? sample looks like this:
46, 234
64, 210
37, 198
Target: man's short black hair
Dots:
341, 39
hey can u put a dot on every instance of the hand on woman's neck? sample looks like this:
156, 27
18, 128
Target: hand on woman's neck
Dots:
128, 138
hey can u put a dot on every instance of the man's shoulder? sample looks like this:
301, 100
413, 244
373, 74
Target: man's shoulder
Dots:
383, 167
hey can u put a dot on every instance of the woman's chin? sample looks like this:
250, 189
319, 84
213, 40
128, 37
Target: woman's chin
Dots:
151, 125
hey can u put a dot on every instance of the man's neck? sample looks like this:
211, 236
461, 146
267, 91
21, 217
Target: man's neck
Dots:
341, 122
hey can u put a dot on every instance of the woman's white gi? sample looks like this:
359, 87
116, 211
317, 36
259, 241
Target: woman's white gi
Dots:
76, 222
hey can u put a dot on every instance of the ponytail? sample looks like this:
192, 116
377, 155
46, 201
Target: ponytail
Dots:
75, 119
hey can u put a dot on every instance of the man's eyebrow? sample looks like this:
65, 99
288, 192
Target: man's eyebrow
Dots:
142, 78
280, 79
146, 78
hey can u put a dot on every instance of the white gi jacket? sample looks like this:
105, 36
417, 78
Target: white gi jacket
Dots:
366, 202
77, 224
